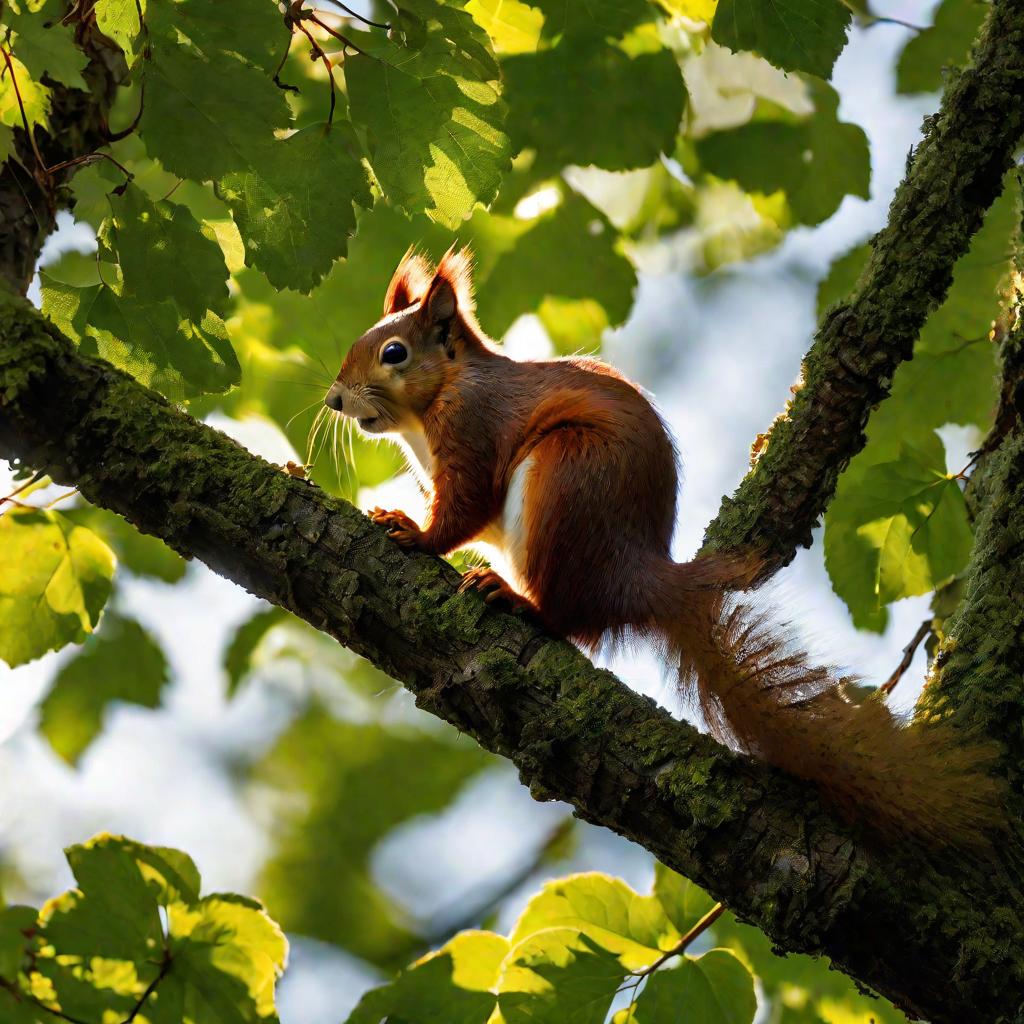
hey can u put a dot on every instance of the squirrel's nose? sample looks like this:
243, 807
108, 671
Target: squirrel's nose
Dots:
334, 399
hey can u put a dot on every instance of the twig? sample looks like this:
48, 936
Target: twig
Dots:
637, 977
360, 17
698, 929
874, 19
336, 34
35, 478
123, 133
319, 53
91, 158
289, 21
21, 106
908, 656
150, 989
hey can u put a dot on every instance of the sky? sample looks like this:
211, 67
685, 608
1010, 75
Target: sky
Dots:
718, 353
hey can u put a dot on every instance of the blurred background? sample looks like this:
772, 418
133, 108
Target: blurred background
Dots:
415, 831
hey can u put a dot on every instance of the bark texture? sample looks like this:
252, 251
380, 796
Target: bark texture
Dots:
922, 930
956, 173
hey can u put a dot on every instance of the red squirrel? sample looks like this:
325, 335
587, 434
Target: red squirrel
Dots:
567, 468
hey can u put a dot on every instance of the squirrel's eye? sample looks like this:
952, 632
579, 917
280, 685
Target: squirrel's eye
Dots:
394, 352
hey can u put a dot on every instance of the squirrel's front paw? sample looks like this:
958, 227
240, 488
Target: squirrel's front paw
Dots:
401, 529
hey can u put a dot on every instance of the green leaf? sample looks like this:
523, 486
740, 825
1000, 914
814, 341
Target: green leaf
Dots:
160, 321
164, 253
451, 986
815, 161
642, 96
683, 902
119, 21
138, 552
634, 927
951, 379
151, 341
559, 976
136, 929
569, 18
945, 44
239, 655
207, 114
903, 531
14, 923
295, 210
357, 782
229, 954
715, 988
428, 98
253, 29
570, 253
113, 912
795, 35
44, 45
55, 578
121, 662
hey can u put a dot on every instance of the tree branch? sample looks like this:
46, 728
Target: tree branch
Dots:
761, 842
956, 174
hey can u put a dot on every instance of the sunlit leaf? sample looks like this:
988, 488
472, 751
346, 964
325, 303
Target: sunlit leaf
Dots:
151, 341
437, 142
121, 662
119, 20
514, 26
44, 45
559, 976
294, 210
684, 903
715, 988
54, 581
137, 552
451, 986
902, 532
135, 935
605, 909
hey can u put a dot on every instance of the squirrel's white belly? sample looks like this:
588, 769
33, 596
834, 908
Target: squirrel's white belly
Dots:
506, 534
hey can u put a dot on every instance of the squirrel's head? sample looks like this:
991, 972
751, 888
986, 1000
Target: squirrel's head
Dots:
396, 369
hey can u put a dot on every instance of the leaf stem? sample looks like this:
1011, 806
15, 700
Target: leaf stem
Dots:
908, 656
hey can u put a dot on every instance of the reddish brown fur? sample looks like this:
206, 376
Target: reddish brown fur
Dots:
599, 509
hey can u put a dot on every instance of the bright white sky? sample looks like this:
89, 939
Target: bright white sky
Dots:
718, 353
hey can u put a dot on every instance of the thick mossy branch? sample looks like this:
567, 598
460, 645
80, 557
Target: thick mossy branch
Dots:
980, 667
956, 173
761, 842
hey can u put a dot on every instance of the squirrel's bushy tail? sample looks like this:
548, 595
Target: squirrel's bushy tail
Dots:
761, 694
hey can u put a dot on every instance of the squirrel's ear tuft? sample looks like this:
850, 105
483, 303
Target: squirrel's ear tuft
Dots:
409, 283
451, 290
